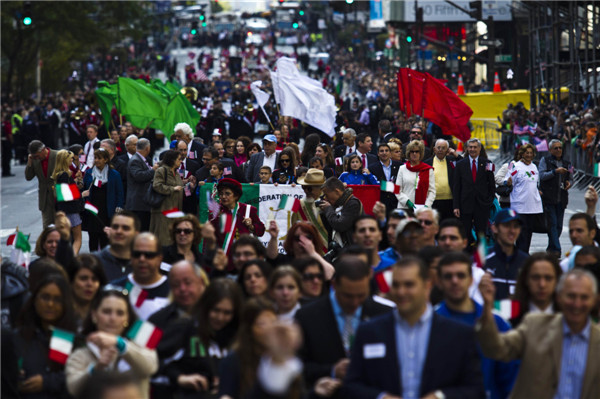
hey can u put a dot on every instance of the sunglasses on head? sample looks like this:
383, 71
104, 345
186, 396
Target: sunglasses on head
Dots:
147, 254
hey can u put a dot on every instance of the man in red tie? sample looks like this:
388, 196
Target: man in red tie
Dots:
364, 143
349, 146
474, 189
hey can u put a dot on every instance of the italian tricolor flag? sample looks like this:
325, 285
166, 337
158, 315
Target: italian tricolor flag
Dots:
145, 334
384, 280
339, 161
507, 308
481, 253
67, 192
390, 187
20, 252
61, 345
137, 295
226, 222
289, 203
90, 207
173, 213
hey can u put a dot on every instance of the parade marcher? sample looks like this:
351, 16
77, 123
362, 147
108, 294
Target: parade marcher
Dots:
355, 172
63, 175
556, 178
268, 157
115, 257
311, 184
444, 164
340, 209
41, 163
88, 148
416, 179
139, 177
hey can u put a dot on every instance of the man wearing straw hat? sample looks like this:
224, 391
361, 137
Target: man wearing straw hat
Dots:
311, 184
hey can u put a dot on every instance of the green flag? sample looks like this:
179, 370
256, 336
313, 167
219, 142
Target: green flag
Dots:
106, 94
138, 99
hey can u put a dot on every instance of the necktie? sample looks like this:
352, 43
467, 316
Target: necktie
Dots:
364, 160
474, 171
347, 333
349, 150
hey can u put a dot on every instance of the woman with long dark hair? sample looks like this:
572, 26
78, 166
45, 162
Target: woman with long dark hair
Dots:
186, 235
254, 276
286, 167
48, 307
106, 348
310, 147
216, 321
238, 370
87, 277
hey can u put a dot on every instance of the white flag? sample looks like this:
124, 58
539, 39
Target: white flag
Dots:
261, 96
303, 98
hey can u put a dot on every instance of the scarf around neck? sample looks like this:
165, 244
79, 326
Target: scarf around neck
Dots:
100, 175
422, 181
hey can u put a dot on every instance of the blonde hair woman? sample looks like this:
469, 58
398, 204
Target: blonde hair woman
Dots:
415, 178
62, 175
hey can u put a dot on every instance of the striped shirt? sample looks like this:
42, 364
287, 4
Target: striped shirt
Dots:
573, 362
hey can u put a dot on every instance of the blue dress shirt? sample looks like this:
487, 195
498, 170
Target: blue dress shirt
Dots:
411, 344
573, 362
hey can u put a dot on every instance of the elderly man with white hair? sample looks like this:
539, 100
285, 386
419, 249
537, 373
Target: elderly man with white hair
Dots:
183, 131
444, 163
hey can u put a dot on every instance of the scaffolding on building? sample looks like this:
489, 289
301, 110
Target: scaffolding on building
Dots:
564, 38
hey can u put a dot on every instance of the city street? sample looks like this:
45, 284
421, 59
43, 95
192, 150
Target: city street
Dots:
19, 208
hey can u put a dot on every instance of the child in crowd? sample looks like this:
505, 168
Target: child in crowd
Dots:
355, 174
265, 173
317, 163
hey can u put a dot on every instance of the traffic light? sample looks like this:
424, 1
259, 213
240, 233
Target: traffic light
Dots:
26, 17
301, 12
194, 28
295, 24
475, 10
409, 39
349, 1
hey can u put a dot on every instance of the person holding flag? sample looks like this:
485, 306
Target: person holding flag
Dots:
110, 321
68, 197
104, 191
234, 218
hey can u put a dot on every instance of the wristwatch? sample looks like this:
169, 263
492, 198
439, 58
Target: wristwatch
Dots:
439, 394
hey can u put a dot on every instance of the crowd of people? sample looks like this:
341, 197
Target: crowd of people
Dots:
391, 301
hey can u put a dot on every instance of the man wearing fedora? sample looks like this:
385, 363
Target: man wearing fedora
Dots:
311, 184
268, 157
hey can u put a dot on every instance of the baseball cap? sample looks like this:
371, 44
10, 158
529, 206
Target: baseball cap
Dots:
506, 215
270, 137
405, 222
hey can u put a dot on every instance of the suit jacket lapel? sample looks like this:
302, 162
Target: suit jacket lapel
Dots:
592, 369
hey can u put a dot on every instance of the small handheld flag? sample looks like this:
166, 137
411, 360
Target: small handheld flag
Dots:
90, 207
145, 334
97, 183
339, 161
61, 345
507, 308
67, 192
226, 222
289, 203
20, 253
481, 253
173, 213
390, 187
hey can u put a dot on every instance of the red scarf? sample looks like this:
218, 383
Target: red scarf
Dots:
423, 185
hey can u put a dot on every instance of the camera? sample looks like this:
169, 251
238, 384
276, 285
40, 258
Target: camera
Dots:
318, 203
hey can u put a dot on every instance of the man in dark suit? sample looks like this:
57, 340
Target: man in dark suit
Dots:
413, 353
328, 324
364, 145
386, 170
123, 159
444, 165
40, 164
349, 146
184, 132
139, 177
474, 189
385, 131
187, 170
268, 157
210, 156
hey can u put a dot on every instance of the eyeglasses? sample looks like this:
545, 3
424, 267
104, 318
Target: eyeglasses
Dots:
426, 222
312, 276
184, 231
450, 276
147, 254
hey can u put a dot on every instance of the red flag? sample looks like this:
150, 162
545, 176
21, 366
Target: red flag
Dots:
401, 100
404, 85
417, 88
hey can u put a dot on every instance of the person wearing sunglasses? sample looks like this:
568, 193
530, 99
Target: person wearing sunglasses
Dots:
415, 178
454, 279
286, 173
429, 219
313, 278
148, 287
186, 233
